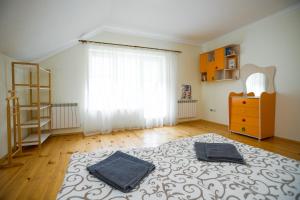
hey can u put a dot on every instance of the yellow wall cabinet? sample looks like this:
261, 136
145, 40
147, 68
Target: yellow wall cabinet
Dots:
220, 64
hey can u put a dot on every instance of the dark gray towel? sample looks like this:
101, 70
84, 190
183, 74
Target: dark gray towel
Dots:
121, 171
122, 174
218, 152
222, 150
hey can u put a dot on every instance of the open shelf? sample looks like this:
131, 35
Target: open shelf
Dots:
232, 55
27, 86
34, 123
32, 139
220, 64
34, 107
30, 65
36, 86
229, 79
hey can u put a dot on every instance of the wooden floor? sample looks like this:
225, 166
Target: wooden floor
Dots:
42, 173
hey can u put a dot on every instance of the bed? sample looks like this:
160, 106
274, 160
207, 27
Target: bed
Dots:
179, 175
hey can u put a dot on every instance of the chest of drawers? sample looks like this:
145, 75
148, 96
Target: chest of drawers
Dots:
252, 116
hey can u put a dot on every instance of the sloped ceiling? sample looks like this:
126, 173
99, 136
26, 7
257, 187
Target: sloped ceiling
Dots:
31, 29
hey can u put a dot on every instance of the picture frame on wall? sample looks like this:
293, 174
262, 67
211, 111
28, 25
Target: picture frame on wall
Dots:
186, 92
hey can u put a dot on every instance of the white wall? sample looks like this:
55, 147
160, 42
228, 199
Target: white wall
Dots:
4, 63
68, 67
274, 40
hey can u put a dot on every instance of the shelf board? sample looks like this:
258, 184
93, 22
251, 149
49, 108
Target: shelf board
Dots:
231, 55
34, 107
27, 86
32, 139
45, 70
34, 123
226, 69
30, 66
228, 79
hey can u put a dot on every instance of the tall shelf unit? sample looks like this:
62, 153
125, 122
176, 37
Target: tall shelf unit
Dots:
38, 125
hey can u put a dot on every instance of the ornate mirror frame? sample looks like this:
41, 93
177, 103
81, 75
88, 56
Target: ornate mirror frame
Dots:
269, 72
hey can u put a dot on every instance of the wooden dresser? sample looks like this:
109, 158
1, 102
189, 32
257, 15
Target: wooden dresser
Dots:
252, 116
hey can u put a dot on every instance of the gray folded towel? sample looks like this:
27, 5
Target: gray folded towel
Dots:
218, 152
121, 171
122, 174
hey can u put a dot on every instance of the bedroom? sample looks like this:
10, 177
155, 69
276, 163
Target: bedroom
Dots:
146, 78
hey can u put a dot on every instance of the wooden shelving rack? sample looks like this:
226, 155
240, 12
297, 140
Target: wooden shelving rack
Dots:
14, 138
35, 121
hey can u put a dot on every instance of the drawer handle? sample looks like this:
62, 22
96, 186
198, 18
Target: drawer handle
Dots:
243, 120
244, 102
243, 129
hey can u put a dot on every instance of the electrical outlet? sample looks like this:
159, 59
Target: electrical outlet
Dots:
212, 110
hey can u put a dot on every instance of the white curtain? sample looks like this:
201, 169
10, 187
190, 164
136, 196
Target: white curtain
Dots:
129, 88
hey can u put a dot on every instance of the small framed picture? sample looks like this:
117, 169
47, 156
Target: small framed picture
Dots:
186, 92
232, 63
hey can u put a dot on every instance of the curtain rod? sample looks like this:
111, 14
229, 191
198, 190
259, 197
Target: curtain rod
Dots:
126, 45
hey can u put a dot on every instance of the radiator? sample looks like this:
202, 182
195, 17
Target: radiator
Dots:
65, 115
187, 109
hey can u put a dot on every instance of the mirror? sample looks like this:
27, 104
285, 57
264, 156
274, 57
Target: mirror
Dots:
257, 83
257, 79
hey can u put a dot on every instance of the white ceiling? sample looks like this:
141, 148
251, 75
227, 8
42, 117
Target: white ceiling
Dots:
31, 29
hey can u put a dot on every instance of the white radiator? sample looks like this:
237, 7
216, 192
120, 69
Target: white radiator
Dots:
187, 109
65, 115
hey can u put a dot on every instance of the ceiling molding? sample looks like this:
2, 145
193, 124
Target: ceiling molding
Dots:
118, 30
281, 12
56, 51
138, 33
93, 33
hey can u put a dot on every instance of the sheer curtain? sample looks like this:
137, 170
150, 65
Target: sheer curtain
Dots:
129, 88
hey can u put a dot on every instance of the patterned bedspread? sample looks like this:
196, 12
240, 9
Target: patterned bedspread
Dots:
179, 175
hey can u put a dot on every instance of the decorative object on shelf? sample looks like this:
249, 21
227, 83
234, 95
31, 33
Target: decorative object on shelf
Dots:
229, 51
186, 92
220, 64
35, 122
252, 112
231, 63
204, 76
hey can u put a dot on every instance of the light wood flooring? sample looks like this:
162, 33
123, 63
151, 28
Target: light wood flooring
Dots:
42, 173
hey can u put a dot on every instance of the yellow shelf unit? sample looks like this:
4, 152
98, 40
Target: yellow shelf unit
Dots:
221, 64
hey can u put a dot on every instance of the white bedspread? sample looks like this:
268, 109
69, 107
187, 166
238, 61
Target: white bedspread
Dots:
179, 175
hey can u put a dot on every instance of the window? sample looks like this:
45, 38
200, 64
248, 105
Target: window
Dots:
130, 88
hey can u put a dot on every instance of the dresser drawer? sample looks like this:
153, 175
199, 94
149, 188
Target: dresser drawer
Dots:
245, 120
245, 102
244, 111
250, 130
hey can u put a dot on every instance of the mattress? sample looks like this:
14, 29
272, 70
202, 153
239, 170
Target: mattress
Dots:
179, 175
